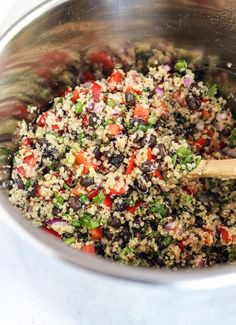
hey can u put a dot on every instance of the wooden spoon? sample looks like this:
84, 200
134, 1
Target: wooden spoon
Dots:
225, 168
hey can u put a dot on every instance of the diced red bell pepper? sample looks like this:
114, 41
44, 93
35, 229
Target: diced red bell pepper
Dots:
181, 245
21, 171
131, 164
191, 189
114, 129
26, 141
75, 96
65, 92
142, 112
206, 114
150, 156
84, 120
116, 77
86, 161
51, 232
108, 201
89, 249
225, 235
30, 160
157, 174
96, 91
92, 194
38, 190
42, 121
102, 58
115, 190
96, 234
133, 208
201, 143
210, 131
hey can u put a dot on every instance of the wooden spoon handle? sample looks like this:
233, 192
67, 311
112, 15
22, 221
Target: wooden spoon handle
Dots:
225, 168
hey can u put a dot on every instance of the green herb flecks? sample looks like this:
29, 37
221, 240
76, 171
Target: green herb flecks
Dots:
158, 208
98, 199
79, 108
212, 90
87, 221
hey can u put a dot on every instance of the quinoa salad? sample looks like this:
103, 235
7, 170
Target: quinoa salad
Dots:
106, 167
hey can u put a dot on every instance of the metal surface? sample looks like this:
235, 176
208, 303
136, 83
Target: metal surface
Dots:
55, 36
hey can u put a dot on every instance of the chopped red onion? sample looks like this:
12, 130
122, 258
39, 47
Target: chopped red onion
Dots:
167, 67
187, 81
159, 91
90, 106
60, 226
171, 225
98, 107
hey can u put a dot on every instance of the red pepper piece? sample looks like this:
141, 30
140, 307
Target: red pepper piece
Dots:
51, 232
96, 91
108, 201
88, 249
96, 234
92, 194
133, 208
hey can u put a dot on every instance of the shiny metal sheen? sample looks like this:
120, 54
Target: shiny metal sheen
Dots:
28, 49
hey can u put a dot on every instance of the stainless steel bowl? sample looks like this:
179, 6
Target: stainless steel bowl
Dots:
69, 28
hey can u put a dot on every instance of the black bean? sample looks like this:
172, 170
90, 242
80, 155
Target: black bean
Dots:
180, 119
99, 248
86, 181
160, 243
120, 206
127, 194
97, 153
226, 131
92, 120
114, 222
107, 234
193, 102
199, 221
19, 182
138, 138
147, 167
48, 150
55, 211
116, 160
159, 261
208, 196
32, 192
74, 203
161, 151
177, 131
130, 99
151, 140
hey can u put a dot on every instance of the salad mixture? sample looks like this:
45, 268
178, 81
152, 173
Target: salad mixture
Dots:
106, 167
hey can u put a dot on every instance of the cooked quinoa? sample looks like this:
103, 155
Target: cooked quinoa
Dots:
106, 168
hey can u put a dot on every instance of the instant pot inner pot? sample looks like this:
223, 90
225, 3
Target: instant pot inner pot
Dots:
45, 51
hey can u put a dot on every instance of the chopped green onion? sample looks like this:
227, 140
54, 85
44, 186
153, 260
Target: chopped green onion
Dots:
79, 108
66, 186
105, 123
130, 202
80, 138
212, 90
174, 160
28, 183
84, 198
232, 137
135, 96
167, 240
69, 241
181, 66
75, 223
59, 199
185, 198
71, 159
99, 198
110, 102
87, 221
159, 208
183, 152
142, 127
